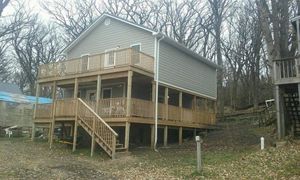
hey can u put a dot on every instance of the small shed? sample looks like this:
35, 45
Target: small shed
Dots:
17, 109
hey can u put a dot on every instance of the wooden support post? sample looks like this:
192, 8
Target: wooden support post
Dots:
180, 105
279, 113
98, 92
93, 137
49, 132
53, 112
75, 88
37, 94
33, 132
195, 132
180, 136
152, 135
166, 103
127, 134
165, 135
129, 89
75, 128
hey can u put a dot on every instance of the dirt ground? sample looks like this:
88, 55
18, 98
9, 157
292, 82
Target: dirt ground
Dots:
230, 153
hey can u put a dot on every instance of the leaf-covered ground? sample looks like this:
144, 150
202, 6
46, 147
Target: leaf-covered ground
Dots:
230, 153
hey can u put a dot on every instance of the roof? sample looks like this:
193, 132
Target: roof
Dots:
20, 98
10, 88
154, 33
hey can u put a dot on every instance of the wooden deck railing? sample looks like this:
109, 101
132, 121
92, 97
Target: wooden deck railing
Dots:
44, 111
286, 69
94, 123
116, 107
97, 62
65, 107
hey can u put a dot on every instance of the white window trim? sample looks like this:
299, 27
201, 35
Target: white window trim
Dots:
106, 51
88, 63
140, 44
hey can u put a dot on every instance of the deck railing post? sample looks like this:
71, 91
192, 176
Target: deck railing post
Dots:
75, 126
129, 89
93, 137
35, 110
53, 112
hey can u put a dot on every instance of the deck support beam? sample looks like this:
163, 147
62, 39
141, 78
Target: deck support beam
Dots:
129, 88
75, 128
98, 93
279, 113
127, 134
152, 135
180, 136
37, 95
75, 88
166, 136
53, 113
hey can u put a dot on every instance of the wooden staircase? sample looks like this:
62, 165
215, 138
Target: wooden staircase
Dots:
291, 101
96, 127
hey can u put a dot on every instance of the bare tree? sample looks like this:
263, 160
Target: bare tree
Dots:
220, 10
3, 4
72, 16
34, 45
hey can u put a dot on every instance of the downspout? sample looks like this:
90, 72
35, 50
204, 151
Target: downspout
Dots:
156, 88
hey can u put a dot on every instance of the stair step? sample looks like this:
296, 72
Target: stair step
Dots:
121, 149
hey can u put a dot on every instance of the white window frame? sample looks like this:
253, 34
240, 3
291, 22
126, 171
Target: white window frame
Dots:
107, 56
140, 44
88, 61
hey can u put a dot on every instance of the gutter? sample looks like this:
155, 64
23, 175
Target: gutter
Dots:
156, 50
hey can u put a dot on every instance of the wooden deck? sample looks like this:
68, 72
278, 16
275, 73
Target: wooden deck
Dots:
141, 111
96, 64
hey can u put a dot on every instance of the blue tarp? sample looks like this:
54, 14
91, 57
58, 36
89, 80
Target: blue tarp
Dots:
19, 98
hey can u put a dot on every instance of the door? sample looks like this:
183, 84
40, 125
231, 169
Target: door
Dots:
110, 58
107, 104
135, 56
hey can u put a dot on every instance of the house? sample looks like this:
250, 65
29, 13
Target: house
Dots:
109, 85
16, 109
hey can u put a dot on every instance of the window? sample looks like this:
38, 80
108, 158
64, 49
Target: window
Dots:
110, 58
84, 62
135, 56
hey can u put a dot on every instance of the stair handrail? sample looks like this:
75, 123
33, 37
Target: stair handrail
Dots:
99, 118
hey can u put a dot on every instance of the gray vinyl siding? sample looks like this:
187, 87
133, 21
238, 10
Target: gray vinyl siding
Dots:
116, 34
182, 70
